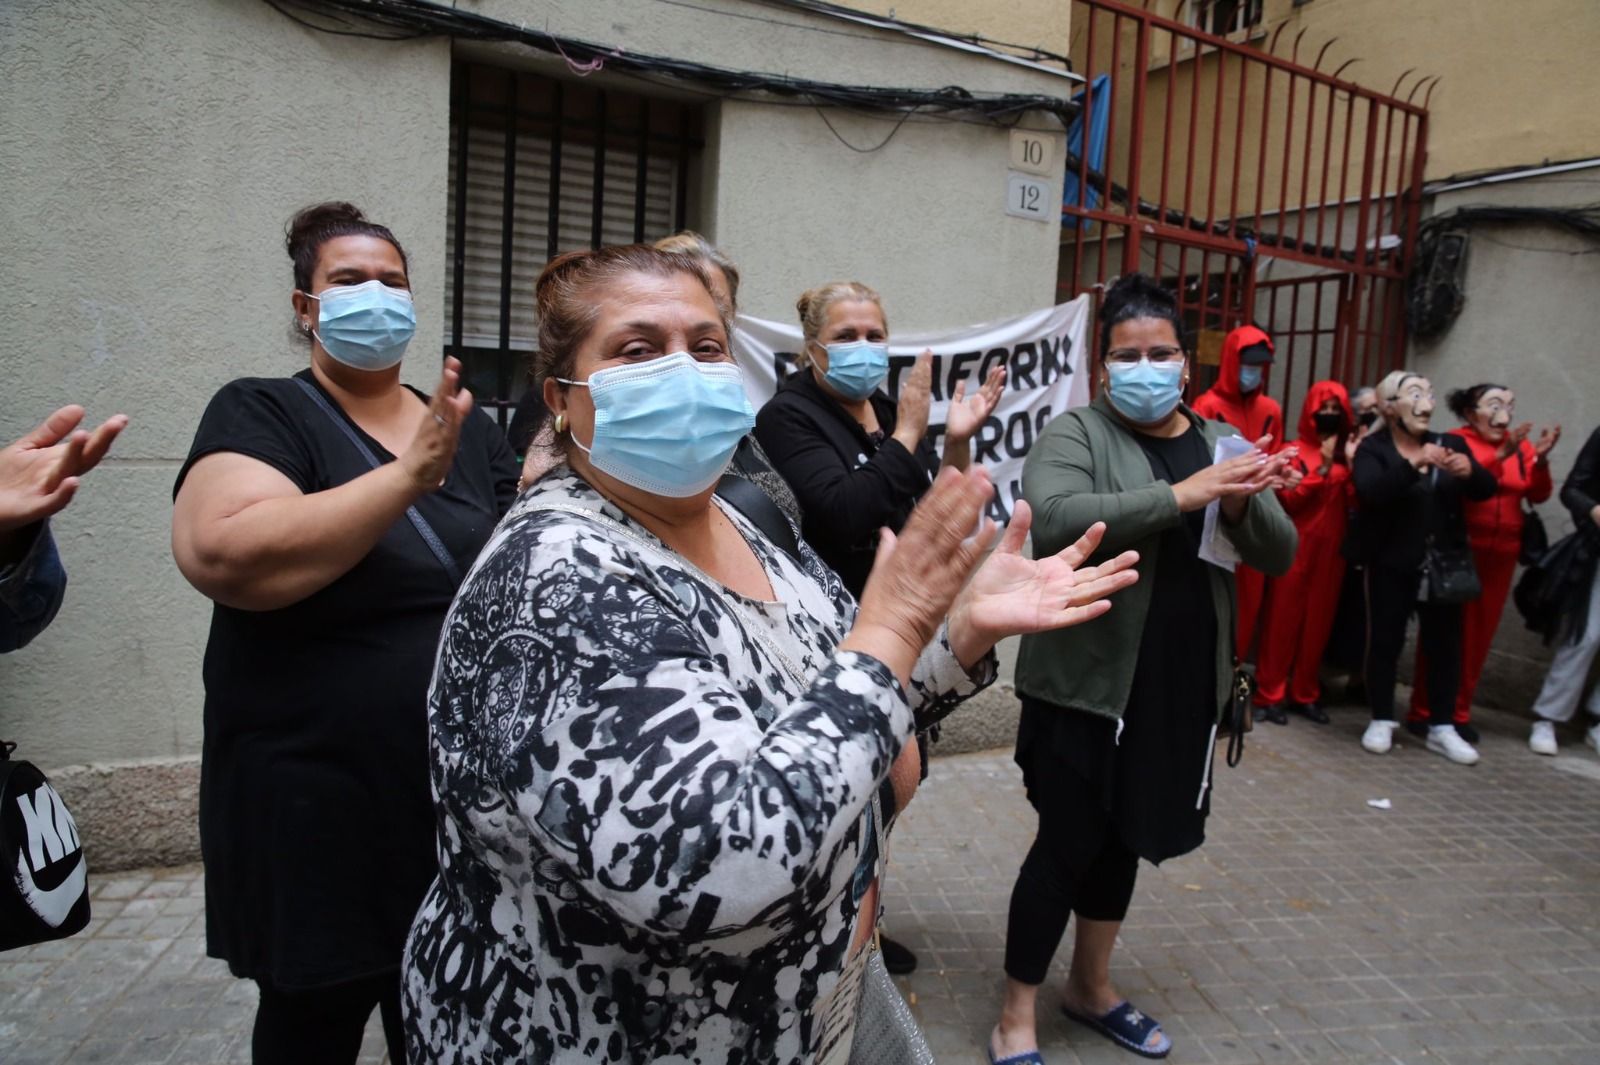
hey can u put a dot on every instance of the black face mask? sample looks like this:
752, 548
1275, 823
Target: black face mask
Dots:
1369, 418
1328, 424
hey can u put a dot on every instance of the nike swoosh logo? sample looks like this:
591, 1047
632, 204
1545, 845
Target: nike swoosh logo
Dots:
54, 905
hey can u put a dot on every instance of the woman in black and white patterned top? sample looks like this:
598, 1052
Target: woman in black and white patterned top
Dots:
656, 737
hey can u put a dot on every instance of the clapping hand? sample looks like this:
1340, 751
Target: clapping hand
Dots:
1236, 480
1514, 439
1548, 439
1011, 594
433, 448
911, 406
1432, 455
40, 473
968, 413
1456, 464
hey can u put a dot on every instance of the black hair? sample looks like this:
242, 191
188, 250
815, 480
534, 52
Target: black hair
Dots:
1463, 401
314, 226
1137, 296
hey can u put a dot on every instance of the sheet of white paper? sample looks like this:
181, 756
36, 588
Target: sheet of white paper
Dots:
1215, 547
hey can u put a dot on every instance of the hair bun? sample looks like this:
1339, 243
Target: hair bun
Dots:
317, 219
1134, 288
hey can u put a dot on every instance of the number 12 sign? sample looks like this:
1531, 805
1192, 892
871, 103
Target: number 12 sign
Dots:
1029, 197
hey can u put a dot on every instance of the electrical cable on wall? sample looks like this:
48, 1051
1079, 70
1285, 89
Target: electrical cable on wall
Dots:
412, 19
1436, 290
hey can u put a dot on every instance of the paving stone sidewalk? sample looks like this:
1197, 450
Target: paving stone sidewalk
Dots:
1460, 926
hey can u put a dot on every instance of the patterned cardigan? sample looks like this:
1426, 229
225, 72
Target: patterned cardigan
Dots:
651, 795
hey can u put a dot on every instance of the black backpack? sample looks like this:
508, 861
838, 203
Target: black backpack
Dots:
44, 879
1552, 595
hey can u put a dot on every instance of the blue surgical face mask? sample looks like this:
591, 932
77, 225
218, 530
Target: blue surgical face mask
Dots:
365, 326
1249, 378
857, 368
1146, 392
668, 426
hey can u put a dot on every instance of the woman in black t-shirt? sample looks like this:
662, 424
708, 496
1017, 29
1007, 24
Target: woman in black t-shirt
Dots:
330, 517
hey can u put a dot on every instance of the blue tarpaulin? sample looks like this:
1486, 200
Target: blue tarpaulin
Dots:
1099, 110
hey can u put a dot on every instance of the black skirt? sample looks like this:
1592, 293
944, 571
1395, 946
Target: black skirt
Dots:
1154, 777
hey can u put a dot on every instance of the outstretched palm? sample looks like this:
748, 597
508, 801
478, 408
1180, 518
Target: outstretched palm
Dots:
968, 413
1011, 594
39, 473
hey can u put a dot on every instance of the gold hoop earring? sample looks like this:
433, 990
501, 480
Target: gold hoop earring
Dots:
561, 424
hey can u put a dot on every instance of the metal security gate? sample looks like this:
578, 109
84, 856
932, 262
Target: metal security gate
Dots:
1257, 187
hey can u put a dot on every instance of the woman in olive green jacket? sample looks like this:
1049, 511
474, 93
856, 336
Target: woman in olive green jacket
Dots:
1119, 715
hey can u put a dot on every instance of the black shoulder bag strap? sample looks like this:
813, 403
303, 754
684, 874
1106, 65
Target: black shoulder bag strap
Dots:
748, 499
418, 522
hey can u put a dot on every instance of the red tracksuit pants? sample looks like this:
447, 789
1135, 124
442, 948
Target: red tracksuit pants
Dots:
1251, 587
1479, 620
1299, 617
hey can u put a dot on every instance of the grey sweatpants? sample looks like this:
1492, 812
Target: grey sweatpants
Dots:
1563, 685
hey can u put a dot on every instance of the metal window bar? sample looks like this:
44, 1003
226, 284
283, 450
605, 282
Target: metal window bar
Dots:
538, 167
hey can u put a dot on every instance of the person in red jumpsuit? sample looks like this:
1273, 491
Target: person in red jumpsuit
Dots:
1239, 398
1494, 529
1303, 602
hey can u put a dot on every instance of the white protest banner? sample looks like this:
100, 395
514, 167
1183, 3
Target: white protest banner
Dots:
1043, 353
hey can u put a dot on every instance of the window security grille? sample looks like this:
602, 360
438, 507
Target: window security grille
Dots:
539, 167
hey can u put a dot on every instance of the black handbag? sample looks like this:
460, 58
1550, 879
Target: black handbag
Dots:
1448, 575
45, 890
1552, 595
1535, 540
1241, 713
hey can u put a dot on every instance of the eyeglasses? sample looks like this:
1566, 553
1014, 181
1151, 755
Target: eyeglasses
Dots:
1129, 356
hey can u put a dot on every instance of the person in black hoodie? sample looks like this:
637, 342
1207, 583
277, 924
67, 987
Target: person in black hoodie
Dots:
1410, 483
858, 461
1569, 668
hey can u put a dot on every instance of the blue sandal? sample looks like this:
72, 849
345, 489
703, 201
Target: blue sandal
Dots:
1027, 1057
1127, 1027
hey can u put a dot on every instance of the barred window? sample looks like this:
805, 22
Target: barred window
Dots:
539, 167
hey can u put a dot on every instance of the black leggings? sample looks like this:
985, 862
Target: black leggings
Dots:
324, 1026
1077, 864
1391, 596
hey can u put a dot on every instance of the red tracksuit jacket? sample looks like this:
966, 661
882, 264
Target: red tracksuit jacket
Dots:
1496, 523
1255, 416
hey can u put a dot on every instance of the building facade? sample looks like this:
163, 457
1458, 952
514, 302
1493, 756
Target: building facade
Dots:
1294, 162
151, 153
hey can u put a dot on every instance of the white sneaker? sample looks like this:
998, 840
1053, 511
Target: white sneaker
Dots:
1445, 740
1379, 736
1542, 740
1593, 736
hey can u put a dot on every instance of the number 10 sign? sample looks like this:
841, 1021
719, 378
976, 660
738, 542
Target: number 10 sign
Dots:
1029, 197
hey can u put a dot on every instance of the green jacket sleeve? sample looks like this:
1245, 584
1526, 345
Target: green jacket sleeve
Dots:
1266, 538
1058, 481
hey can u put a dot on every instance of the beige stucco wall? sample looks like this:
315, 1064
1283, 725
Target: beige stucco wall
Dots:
1517, 81
1037, 23
922, 220
1529, 321
150, 154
